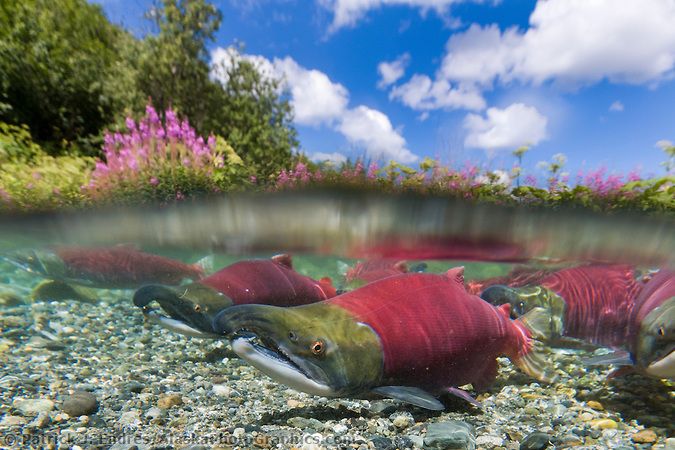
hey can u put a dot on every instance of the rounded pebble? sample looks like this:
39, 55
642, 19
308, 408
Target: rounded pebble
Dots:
169, 401
80, 404
535, 441
33, 406
597, 406
604, 424
644, 437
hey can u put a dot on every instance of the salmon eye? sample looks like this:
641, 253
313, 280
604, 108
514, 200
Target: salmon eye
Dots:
661, 331
292, 336
197, 308
317, 348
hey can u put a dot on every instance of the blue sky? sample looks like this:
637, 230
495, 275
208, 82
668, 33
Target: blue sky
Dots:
460, 80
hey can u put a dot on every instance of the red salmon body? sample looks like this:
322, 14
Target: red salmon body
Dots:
434, 334
656, 291
122, 267
518, 276
270, 282
599, 302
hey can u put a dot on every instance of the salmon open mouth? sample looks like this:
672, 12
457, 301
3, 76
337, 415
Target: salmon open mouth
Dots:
148, 295
279, 364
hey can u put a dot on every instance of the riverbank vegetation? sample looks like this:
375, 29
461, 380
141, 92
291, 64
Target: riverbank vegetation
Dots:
92, 116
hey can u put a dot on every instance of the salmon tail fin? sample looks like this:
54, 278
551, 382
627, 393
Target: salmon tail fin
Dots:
206, 265
343, 268
531, 357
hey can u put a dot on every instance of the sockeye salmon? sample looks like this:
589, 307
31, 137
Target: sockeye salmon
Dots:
519, 275
652, 330
118, 267
410, 337
589, 303
192, 307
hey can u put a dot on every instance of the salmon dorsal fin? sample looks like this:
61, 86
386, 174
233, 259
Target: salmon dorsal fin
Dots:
283, 259
505, 309
401, 266
326, 281
456, 274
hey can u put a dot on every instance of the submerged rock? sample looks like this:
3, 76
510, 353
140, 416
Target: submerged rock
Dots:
535, 441
32, 407
451, 434
80, 403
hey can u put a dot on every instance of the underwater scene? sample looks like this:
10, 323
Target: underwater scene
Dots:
337, 321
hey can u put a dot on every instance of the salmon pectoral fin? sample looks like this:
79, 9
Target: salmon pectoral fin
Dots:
618, 357
461, 393
412, 395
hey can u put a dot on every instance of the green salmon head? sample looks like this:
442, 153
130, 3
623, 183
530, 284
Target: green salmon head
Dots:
538, 307
655, 353
319, 349
191, 307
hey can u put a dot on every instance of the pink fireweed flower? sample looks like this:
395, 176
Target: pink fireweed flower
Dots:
144, 129
301, 172
153, 181
530, 180
371, 171
283, 178
634, 175
57, 192
36, 175
131, 125
152, 114
253, 179
30, 186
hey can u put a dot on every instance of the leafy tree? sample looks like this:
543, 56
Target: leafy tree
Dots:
55, 60
256, 116
174, 68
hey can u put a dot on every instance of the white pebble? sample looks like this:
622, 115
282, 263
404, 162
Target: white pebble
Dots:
221, 391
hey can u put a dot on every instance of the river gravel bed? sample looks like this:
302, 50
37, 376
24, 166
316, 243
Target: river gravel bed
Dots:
128, 383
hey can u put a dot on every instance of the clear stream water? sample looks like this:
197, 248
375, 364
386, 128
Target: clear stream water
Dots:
324, 231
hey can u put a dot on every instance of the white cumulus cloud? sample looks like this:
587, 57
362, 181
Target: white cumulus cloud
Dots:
372, 129
616, 106
336, 158
315, 98
572, 42
421, 93
346, 13
392, 71
223, 59
317, 101
505, 128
